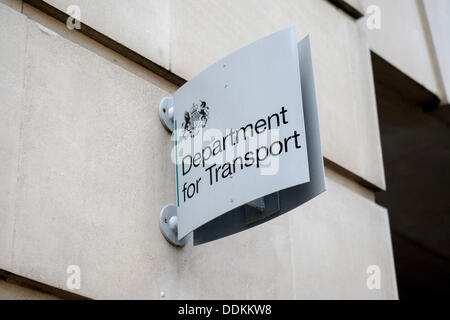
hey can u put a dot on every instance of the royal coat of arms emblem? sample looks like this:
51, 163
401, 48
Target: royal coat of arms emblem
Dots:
195, 119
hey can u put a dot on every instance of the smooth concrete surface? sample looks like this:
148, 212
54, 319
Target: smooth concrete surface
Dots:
140, 25
95, 171
367, 156
12, 60
403, 40
349, 184
335, 238
438, 18
92, 139
14, 4
9, 291
89, 43
92, 45
197, 33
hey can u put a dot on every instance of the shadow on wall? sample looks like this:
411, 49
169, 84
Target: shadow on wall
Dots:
415, 137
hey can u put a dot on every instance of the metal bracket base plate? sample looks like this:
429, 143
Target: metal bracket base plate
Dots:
170, 233
165, 110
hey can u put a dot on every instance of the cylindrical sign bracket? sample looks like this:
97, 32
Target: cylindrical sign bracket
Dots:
168, 224
166, 110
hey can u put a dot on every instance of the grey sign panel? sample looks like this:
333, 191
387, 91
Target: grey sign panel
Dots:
278, 203
247, 140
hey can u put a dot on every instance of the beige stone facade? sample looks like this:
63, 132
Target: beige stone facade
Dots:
82, 183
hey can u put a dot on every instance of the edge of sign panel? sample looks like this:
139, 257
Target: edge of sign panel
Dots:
235, 220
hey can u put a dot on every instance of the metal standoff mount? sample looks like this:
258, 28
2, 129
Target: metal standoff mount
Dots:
168, 219
166, 109
168, 224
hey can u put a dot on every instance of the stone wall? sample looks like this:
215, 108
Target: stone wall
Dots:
406, 41
85, 167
